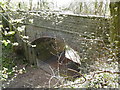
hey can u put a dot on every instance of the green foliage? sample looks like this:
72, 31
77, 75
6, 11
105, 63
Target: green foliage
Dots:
7, 61
5, 42
9, 68
10, 33
104, 80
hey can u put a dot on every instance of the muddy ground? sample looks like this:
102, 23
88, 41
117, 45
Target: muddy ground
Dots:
33, 78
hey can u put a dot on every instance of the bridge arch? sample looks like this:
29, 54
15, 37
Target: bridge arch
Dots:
48, 47
72, 30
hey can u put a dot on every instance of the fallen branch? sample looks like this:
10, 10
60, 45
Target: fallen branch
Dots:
88, 79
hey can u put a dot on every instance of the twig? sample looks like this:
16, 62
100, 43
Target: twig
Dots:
88, 79
78, 73
103, 72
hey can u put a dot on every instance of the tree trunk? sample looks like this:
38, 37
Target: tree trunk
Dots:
30, 3
115, 27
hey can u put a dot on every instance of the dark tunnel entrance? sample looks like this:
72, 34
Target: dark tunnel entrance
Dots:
47, 47
57, 54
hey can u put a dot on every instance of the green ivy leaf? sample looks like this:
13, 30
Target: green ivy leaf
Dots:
5, 76
5, 42
11, 32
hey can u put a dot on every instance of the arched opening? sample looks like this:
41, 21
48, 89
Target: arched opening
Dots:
47, 47
57, 54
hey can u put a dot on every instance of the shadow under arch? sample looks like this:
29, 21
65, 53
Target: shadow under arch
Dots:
48, 47
55, 53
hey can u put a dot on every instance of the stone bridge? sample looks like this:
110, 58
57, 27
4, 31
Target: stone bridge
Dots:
74, 31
